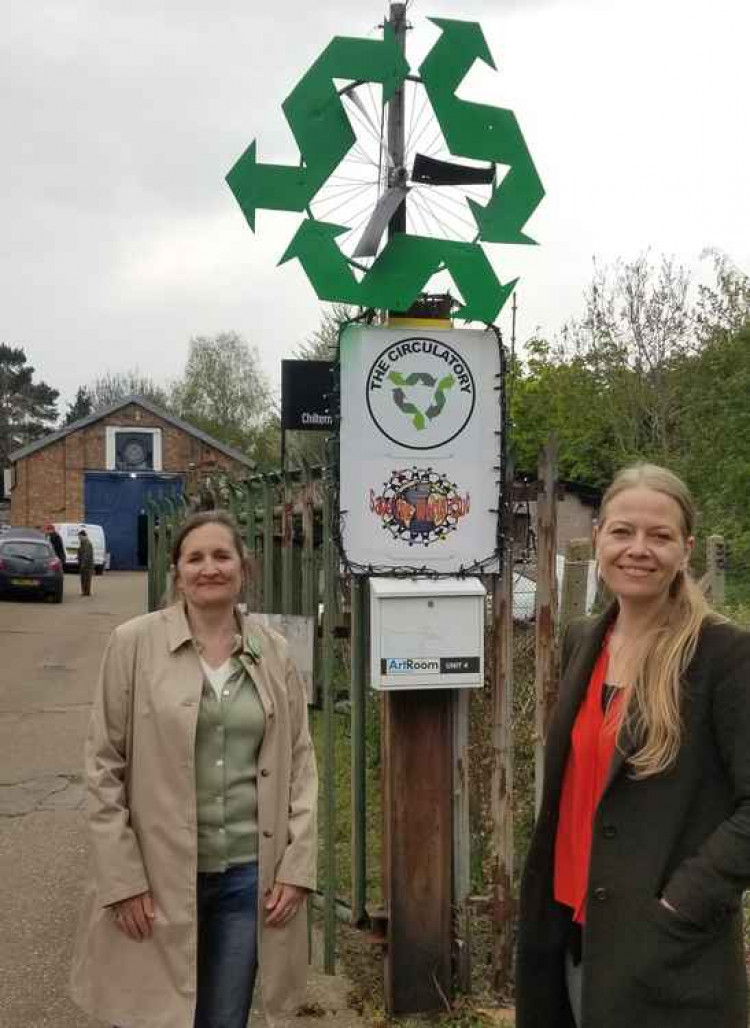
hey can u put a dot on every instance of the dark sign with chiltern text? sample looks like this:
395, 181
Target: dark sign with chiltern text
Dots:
305, 395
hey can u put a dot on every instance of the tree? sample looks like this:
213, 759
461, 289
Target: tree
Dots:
27, 408
112, 387
81, 407
225, 392
638, 325
323, 343
723, 308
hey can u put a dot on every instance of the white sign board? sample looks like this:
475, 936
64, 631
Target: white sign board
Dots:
419, 448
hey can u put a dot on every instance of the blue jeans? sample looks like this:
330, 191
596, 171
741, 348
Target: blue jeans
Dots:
227, 946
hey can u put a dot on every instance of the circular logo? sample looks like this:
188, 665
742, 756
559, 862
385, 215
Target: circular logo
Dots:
419, 506
420, 393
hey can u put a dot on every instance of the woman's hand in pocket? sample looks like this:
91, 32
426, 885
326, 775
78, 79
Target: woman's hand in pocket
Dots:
134, 916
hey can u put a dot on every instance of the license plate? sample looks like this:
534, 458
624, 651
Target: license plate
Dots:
24, 581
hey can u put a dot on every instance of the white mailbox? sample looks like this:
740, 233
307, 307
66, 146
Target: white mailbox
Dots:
426, 633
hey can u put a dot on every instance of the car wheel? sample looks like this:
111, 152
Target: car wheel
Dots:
57, 597
99, 569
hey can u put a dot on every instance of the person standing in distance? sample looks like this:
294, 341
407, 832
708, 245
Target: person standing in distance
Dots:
202, 793
85, 562
56, 542
631, 898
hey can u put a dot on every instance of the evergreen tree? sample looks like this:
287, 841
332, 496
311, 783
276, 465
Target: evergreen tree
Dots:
81, 407
27, 409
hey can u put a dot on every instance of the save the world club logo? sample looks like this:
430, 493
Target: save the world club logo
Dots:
420, 393
419, 506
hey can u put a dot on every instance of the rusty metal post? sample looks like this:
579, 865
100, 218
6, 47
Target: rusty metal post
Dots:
501, 801
545, 681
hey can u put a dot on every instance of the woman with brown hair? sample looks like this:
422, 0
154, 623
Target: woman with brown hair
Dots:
630, 908
202, 798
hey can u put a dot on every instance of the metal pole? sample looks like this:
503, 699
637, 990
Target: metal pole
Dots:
397, 174
357, 693
502, 843
268, 555
330, 571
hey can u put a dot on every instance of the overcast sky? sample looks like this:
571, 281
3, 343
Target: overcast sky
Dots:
121, 118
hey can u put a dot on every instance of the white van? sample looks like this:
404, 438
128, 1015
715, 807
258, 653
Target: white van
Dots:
69, 533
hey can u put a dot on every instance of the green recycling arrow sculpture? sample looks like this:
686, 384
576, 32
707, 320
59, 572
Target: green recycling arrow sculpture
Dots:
319, 123
324, 136
481, 132
399, 273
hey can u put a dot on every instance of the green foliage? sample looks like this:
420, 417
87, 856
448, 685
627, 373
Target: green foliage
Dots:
225, 392
81, 407
27, 408
649, 373
114, 386
322, 344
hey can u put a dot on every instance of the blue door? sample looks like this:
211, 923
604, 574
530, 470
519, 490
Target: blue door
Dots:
117, 502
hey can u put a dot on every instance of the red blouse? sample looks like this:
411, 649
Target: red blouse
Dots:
591, 751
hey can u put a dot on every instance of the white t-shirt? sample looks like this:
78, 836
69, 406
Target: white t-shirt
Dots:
218, 676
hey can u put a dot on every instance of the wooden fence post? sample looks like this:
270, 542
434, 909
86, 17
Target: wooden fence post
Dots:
545, 681
716, 569
461, 838
578, 554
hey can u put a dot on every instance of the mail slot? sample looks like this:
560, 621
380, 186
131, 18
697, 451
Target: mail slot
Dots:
426, 633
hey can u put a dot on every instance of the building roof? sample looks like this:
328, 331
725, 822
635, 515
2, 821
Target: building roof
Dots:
140, 401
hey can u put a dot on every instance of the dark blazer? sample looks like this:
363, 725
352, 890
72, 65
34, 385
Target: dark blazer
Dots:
684, 835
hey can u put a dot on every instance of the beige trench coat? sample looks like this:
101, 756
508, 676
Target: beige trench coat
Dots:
142, 813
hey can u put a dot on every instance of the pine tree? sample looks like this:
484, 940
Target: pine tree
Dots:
81, 407
28, 409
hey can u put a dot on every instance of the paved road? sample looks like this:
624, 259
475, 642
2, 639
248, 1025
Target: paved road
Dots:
49, 656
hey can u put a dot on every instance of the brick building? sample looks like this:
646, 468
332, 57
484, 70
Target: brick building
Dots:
103, 468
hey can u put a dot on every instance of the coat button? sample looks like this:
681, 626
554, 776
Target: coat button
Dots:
265, 772
609, 831
268, 835
601, 894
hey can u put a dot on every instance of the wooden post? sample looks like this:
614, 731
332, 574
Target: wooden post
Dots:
578, 555
461, 838
716, 569
501, 800
417, 808
545, 683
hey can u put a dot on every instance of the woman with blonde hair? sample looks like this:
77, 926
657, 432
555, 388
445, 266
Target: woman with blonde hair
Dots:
202, 796
630, 909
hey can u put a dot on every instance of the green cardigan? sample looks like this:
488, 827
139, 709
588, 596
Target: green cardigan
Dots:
228, 738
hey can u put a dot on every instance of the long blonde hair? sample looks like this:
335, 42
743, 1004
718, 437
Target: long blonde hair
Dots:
652, 702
